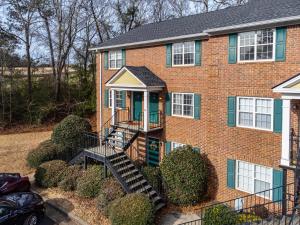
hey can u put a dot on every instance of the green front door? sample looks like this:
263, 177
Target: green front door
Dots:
153, 108
137, 105
153, 152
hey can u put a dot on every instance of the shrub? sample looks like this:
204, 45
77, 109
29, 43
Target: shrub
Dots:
220, 215
49, 174
46, 151
89, 184
245, 218
260, 211
152, 174
69, 131
185, 174
133, 209
69, 182
110, 191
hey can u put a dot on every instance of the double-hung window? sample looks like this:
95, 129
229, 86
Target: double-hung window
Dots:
115, 59
256, 45
184, 53
183, 104
254, 178
176, 145
118, 97
255, 112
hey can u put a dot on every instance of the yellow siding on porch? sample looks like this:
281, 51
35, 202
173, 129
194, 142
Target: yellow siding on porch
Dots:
127, 79
295, 86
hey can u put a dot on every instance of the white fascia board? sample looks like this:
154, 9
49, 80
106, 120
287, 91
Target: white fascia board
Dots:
161, 40
282, 21
282, 88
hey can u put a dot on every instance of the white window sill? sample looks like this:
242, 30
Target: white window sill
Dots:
261, 196
184, 65
186, 117
255, 128
256, 61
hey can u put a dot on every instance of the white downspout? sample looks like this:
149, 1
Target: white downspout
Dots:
100, 83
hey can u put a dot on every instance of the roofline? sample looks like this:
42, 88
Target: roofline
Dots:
160, 40
206, 33
281, 21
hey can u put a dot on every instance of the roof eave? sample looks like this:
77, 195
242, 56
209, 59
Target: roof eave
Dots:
292, 20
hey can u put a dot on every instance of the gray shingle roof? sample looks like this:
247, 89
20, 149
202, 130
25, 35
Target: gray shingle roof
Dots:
254, 11
146, 76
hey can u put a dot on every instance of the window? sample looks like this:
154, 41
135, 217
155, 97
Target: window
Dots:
184, 53
176, 145
119, 99
183, 104
256, 46
255, 113
254, 178
115, 59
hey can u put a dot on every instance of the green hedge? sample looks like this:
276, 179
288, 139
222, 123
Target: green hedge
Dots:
46, 151
110, 191
49, 174
69, 131
220, 215
133, 209
89, 184
185, 174
153, 176
69, 181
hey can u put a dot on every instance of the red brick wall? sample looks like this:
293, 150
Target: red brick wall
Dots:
215, 80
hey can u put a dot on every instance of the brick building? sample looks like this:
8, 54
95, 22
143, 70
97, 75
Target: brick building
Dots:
224, 82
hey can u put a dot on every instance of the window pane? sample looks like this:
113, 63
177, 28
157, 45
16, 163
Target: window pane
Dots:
247, 53
178, 59
188, 99
260, 186
112, 55
189, 58
247, 45
263, 121
112, 63
177, 98
189, 47
245, 177
246, 104
246, 119
119, 55
264, 106
119, 63
178, 48
110, 99
265, 44
177, 109
187, 110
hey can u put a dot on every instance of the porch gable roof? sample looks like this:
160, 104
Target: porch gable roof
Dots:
289, 86
131, 76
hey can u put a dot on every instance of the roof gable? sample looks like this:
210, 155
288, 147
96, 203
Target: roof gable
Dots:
291, 85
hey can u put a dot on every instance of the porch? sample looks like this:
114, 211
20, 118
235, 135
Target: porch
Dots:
134, 96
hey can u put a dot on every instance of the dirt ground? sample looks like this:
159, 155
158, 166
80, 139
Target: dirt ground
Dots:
14, 149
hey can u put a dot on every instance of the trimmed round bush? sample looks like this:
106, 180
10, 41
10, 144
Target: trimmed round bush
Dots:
185, 174
110, 191
90, 183
133, 209
46, 151
153, 175
69, 182
68, 132
220, 215
49, 174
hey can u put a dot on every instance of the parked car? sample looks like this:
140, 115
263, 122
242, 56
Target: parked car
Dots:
13, 182
23, 208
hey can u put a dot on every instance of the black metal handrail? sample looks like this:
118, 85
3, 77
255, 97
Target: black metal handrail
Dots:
295, 146
254, 204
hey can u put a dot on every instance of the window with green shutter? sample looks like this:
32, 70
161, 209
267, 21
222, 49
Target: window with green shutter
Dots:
105, 60
277, 116
169, 55
168, 104
232, 49
231, 173
277, 184
231, 111
280, 44
198, 53
197, 106
106, 98
123, 57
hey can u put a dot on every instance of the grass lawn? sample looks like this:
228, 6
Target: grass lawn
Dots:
14, 149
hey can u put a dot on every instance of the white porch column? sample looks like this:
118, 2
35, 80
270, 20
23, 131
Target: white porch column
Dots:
286, 125
146, 111
113, 106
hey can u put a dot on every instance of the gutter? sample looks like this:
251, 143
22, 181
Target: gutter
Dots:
292, 20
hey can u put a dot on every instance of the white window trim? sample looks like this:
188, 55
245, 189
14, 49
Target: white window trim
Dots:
254, 113
183, 64
193, 111
115, 53
109, 97
252, 188
255, 49
172, 145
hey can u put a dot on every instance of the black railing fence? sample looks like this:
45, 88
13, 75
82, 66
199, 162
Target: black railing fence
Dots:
294, 148
256, 208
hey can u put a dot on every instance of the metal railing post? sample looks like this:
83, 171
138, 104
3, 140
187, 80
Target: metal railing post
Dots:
284, 192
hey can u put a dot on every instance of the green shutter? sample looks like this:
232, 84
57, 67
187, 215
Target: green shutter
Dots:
123, 94
231, 173
196, 149
280, 44
197, 106
106, 98
198, 53
277, 184
105, 60
123, 57
167, 147
106, 132
231, 111
232, 49
169, 55
277, 116
169, 104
